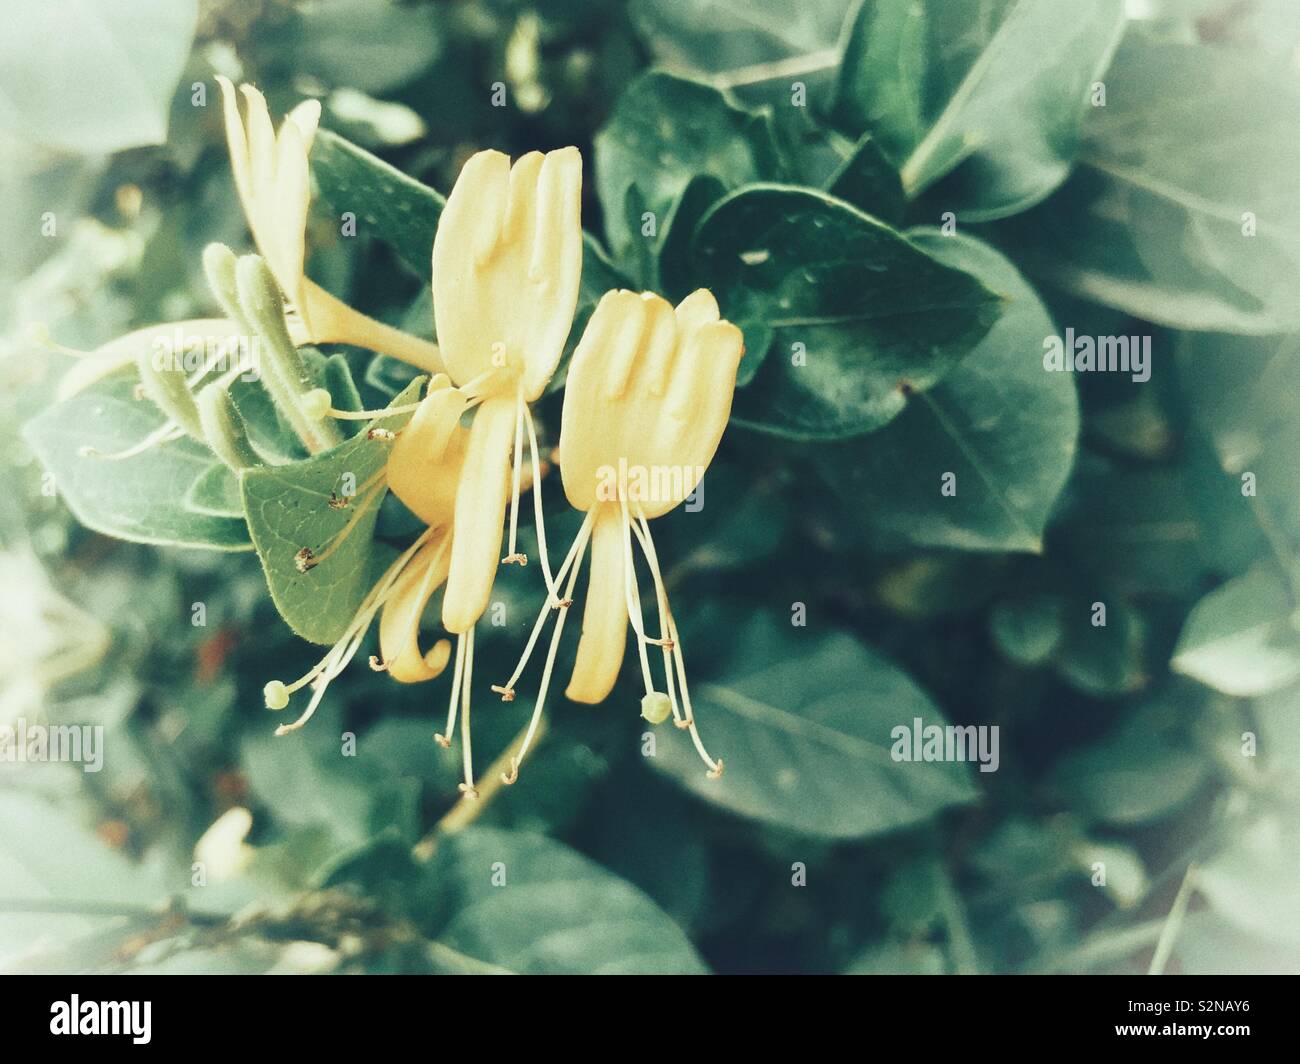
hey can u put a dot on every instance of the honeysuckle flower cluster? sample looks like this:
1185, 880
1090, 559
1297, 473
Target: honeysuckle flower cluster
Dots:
646, 400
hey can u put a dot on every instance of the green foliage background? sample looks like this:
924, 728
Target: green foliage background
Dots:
1122, 744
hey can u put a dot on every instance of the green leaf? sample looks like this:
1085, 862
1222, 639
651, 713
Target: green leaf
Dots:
805, 734
1194, 147
288, 508
90, 77
215, 492
374, 47
735, 38
387, 204
1104, 660
1004, 426
1240, 638
869, 181
877, 317
1141, 771
141, 498
524, 903
1251, 884
990, 94
1245, 393
1028, 630
664, 131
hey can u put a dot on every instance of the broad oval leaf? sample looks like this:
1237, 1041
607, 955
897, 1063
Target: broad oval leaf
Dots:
141, 498
805, 733
289, 508
388, 205
1240, 638
860, 316
664, 131
989, 94
91, 77
524, 903
1182, 211
1004, 428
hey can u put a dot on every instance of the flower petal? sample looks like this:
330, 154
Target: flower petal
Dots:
399, 623
604, 617
480, 515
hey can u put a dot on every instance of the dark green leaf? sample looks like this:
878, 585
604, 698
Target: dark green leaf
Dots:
875, 317
527, 904
806, 739
1002, 425
991, 92
664, 131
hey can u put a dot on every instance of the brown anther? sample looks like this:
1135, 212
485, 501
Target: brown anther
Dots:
508, 778
442, 741
468, 791
715, 773
515, 559
377, 665
507, 693
684, 724
305, 559
381, 434
339, 502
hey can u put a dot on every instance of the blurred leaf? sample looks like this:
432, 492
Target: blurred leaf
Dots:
288, 508
877, 317
1240, 638
999, 423
1155, 222
93, 78
1251, 884
1028, 630
1142, 771
1103, 659
530, 905
991, 92
713, 36
141, 498
371, 45
806, 738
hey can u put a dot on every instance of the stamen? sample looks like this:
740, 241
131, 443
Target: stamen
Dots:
715, 768
165, 433
574, 559
342, 652
552, 582
467, 788
666, 643
443, 738
510, 777
632, 597
513, 555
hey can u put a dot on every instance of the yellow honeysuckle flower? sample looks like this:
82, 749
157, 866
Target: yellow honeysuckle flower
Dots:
507, 260
646, 401
274, 185
422, 470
